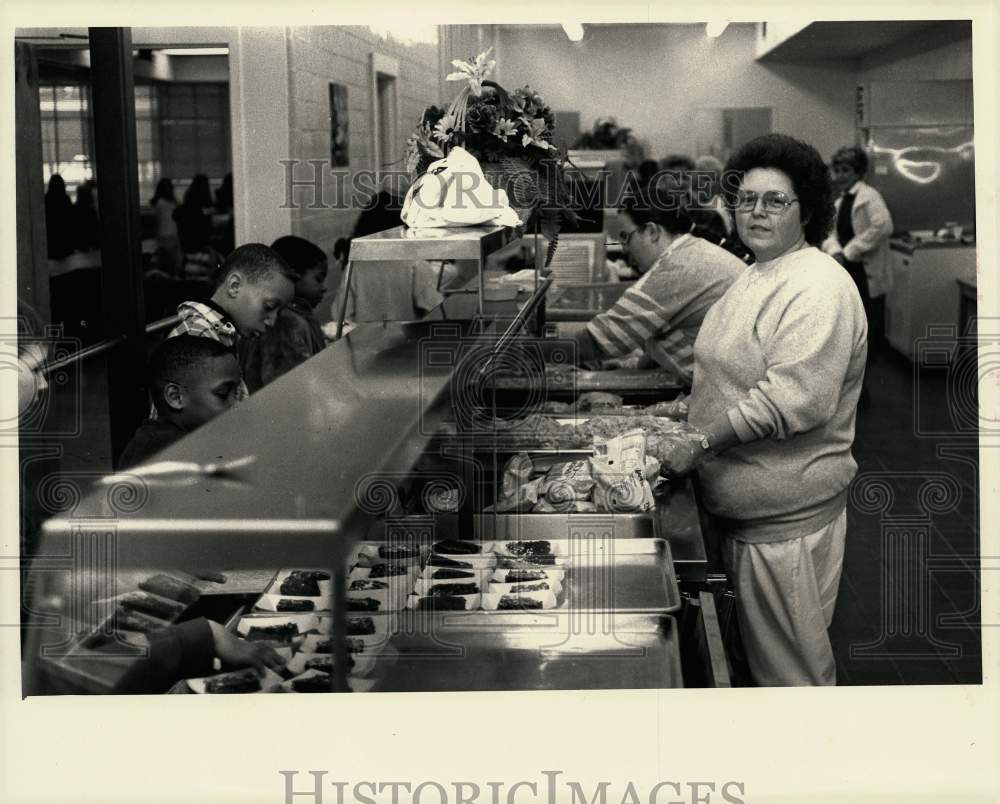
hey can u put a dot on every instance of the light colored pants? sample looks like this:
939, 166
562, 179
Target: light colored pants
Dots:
785, 595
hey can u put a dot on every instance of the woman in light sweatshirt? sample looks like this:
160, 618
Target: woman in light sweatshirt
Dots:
779, 364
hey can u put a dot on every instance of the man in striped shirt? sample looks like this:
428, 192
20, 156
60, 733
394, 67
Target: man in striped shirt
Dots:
682, 276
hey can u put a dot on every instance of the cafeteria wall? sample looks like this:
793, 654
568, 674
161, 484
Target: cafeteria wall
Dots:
654, 78
319, 55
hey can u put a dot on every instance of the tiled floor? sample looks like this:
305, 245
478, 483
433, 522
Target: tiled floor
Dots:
935, 639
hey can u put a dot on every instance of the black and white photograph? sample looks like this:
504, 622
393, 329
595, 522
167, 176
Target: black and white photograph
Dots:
634, 357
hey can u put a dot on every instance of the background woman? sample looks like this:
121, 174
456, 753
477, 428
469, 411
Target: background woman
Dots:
168, 249
779, 364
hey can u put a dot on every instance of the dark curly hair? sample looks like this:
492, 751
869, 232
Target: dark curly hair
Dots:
804, 167
853, 156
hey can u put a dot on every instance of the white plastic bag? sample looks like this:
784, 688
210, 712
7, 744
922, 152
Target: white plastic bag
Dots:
454, 192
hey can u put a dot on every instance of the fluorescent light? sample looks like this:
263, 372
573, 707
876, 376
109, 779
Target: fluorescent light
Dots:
574, 30
195, 51
715, 29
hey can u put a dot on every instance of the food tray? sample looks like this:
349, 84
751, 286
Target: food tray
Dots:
535, 651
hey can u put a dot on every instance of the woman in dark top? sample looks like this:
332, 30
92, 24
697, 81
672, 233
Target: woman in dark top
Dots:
194, 224
58, 219
86, 226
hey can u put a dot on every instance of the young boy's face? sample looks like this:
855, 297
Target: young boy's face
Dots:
208, 389
254, 306
312, 285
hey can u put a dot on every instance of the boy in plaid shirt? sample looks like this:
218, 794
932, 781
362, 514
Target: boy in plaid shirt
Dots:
255, 284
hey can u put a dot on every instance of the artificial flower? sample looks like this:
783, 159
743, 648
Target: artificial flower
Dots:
505, 128
475, 72
444, 129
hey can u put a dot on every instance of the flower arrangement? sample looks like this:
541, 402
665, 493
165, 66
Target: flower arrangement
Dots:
606, 134
510, 134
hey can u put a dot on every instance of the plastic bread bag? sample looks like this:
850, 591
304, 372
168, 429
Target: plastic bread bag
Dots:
357, 664
624, 494
546, 585
522, 501
454, 192
444, 602
543, 506
520, 602
651, 471
516, 472
276, 629
674, 409
318, 681
565, 482
239, 681
302, 583
282, 604
528, 575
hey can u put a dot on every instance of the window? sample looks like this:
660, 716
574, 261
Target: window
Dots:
67, 133
193, 131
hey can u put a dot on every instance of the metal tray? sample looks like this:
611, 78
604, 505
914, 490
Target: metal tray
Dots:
533, 651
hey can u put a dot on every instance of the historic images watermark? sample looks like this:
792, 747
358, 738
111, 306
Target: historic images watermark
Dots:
950, 370
314, 184
313, 787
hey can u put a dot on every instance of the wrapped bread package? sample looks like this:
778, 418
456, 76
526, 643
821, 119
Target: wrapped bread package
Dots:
619, 466
523, 500
519, 602
566, 482
516, 472
543, 506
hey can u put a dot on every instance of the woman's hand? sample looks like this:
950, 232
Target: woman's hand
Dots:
680, 457
239, 652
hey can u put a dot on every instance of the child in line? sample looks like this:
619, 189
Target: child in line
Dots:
255, 283
296, 335
191, 380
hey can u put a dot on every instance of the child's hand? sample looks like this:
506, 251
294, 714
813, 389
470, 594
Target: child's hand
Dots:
241, 653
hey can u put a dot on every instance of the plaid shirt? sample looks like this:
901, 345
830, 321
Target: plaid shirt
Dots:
207, 321
663, 311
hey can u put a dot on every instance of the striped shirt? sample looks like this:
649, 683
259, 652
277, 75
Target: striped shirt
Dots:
662, 312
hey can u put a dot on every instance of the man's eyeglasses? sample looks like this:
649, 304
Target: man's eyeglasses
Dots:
774, 202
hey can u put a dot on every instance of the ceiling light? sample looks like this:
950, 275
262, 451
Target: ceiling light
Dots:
715, 29
195, 51
574, 30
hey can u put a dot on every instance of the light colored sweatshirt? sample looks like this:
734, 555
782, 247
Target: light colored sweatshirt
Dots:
782, 356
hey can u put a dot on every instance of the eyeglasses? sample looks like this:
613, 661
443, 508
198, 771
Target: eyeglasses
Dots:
774, 202
625, 237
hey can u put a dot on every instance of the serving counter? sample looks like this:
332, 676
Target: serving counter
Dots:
333, 454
